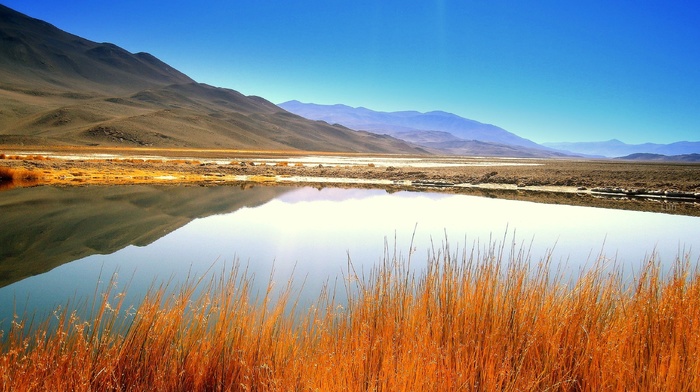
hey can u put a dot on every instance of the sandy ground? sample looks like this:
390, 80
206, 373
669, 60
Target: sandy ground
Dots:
660, 187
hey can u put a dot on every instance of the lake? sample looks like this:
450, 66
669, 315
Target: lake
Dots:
60, 244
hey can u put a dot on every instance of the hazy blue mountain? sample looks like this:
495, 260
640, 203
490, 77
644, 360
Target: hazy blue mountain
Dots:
431, 127
616, 148
662, 158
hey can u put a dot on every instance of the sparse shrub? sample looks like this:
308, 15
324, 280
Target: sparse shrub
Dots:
282, 164
3, 156
185, 162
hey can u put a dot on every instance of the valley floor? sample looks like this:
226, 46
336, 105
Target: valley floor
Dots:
659, 187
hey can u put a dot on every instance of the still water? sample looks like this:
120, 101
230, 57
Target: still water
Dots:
60, 244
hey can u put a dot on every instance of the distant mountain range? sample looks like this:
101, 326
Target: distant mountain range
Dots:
58, 88
660, 157
437, 131
615, 148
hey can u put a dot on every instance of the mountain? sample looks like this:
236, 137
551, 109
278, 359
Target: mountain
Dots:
36, 55
437, 130
58, 88
616, 148
662, 158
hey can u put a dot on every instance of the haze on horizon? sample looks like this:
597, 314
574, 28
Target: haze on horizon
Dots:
549, 71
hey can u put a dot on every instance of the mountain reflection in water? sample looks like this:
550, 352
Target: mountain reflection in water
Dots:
44, 227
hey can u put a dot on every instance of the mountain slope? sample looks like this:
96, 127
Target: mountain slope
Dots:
35, 54
442, 131
616, 148
58, 88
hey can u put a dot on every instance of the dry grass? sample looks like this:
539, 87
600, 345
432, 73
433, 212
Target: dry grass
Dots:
184, 162
483, 321
25, 157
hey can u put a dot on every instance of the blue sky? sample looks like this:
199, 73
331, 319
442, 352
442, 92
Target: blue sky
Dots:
545, 70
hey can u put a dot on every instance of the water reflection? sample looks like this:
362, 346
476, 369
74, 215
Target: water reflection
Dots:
44, 227
314, 232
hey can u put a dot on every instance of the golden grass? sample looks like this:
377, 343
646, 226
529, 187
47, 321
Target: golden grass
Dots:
25, 157
481, 321
184, 162
12, 176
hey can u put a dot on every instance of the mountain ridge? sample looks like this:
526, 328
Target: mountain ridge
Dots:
36, 53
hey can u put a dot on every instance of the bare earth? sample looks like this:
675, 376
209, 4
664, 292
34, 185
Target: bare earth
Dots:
660, 187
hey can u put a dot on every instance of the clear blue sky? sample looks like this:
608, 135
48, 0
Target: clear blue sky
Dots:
545, 70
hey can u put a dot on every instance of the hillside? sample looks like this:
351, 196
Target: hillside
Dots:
58, 88
437, 130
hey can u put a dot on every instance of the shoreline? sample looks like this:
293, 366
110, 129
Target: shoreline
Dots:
656, 187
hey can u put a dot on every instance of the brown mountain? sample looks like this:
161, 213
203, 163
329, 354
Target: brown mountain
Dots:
58, 88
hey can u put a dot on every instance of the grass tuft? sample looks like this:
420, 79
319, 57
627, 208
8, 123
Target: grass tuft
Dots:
18, 176
476, 321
